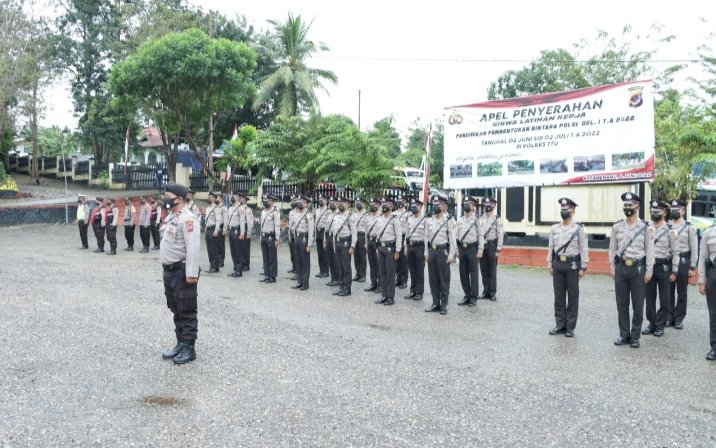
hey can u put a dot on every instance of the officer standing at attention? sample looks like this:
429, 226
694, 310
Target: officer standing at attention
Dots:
130, 213
372, 244
270, 234
415, 250
191, 205
222, 226
345, 238
232, 223
707, 283
470, 246
212, 215
97, 222
322, 220
156, 220
493, 234
246, 226
440, 249
111, 217
292, 232
402, 215
359, 254
666, 265
687, 243
83, 215
631, 255
145, 223
567, 260
389, 243
179, 256
303, 240
328, 243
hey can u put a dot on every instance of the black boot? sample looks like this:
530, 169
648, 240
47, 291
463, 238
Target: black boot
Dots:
112, 252
172, 352
129, 249
144, 250
186, 354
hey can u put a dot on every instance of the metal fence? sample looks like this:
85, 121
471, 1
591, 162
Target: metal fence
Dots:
97, 169
81, 168
23, 162
145, 177
49, 163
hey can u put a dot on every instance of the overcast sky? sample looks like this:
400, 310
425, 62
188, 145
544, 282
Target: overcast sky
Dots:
413, 59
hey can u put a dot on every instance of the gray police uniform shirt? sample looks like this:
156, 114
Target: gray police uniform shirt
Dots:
387, 230
371, 224
331, 218
468, 232
322, 218
181, 241
271, 221
643, 245
707, 252
211, 215
402, 216
344, 226
439, 232
233, 218
686, 241
246, 220
361, 219
560, 234
221, 216
158, 208
416, 229
665, 245
129, 213
292, 222
145, 215
191, 206
83, 213
303, 224
491, 228
115, 216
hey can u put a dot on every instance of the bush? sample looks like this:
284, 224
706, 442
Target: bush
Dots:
103, 180
2, 173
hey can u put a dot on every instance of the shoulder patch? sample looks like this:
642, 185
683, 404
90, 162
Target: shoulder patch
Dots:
189, 225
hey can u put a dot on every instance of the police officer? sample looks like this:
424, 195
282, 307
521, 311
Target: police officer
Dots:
402, 215
212, 217
83, 216
567, 262
322, 220
144, 224
191, 205
372, 244
303, 240
156, 220
359, 255
470, 246
631, 256
687, 243
666, 265
179, 256
415, 249
246, 226
328, 243
233, 219
97, 222
345, 237
130, 213
388, 239
292, 232
270, 234
222, 226
111, 217
707, 283
493, 234
440, 250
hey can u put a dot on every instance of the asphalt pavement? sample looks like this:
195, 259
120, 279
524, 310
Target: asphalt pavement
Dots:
82, 335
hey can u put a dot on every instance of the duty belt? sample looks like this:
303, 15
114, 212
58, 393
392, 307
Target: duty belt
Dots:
468, 245
686, 254
632, 261
491, 241
569, 258
387, 243
302, 234
174, 266
416, 243
268, 234
361, 233
665, 260
440, 246
344, 238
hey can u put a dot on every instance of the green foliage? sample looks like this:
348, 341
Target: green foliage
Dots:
103, 180
415, 150
2, 172
238, 152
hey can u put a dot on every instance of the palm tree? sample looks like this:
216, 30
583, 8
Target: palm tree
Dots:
293, 85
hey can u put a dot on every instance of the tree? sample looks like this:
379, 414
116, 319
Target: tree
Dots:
293, 85
237, 152
415, 150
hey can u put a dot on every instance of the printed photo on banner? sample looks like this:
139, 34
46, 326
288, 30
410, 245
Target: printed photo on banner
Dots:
489, 169
520, 167
464, 170
628, 160
548, 166
589, 163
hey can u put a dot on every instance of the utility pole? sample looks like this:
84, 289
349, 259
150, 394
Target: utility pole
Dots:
210, 144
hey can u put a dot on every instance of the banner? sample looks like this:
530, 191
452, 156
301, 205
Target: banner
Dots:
595, 135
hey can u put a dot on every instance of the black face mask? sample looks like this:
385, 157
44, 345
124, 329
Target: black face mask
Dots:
628, 211
293, 205
656, 216
169, 203
488, 208
385, 208
341, 208
373, 208
675, 214
322, 203
300, 206
233, 200
265, 204
437, 209
359, 207
414, 209
466, 208
565, 214
332, 207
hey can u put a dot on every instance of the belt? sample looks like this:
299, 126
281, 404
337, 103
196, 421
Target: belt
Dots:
373, 238
491, 241
569, 258
387, 243
210, 227
686, 254
344, 238
666, 260
631, 261
234, 227
468, 245
268, 234
173, 267
361, 233
416, 243
440, 246
302, 234
322, 230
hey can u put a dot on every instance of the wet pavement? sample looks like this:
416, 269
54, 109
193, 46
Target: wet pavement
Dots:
83, 332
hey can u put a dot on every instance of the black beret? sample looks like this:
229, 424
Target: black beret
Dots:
178, 189
630, 197
658, 203
678, 203
417, 201
489, 201
468, 198
211, 193
566, 202
440, 197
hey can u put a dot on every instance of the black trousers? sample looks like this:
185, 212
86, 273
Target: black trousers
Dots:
488, 268
469, 271
245, 252
565, 281
83, 232
677, 309
182, 301
221, 245
144, 232
629, 285
359, 256
386, 268
268, 250
439, 276
322, 256
711, 303
659, 283
401, 267
332, 259
112, 237
343, 259
155, 233
303, 260
129, 235
292, 249
212, 247
234, 248
372, 254
99, 234
416, 266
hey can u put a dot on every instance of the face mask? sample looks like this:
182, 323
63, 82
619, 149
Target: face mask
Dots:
401, 204
488, 208
359, 207
565, 214
265, 204
233, 200
384, 208
300, 206
628, 211
341, 208
332, 207
414, 209
169, 203
466, 208
293, 205
656, 216
675, 214
437, 209
373, 208
79, 201
322, 203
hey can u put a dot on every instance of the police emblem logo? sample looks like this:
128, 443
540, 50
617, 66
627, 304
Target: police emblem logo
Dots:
564, 202
455, 118
628, 196
674, 203
654, 204
636, 97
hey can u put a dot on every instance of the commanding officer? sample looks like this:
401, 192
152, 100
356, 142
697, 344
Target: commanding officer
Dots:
191, 205
707, 283
440, 249
145, 223
401, 267
292, 231
666, 265
389, 245
212, 216
491, 227
359, 254
179, 256
470, 246
97, 222
130, 213
328, 243
233, 219
156, 220
567, 260
345, 237
270, 237
322, 221
303, 240
372, 244
246, 226
687, 243
415, 242
83, 216
222, 226
631, 255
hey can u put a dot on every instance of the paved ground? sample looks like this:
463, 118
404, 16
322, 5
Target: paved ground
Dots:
82, 335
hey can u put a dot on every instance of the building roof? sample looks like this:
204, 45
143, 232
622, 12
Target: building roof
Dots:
152, 138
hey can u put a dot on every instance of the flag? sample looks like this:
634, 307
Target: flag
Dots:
235, 135
126, 151
426, 173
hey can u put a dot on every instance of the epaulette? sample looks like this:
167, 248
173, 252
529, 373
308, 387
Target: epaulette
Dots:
687, 223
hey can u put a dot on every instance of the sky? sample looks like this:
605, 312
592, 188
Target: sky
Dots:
412, 59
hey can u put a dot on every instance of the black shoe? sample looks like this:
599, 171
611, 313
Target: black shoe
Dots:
332, 283
679, 325
361, 280
186, 354
112, 252
98, 251
344, 293
84, 247
355, 279
418, 297
246, 268
711, 356
372, 288
483, 296
557, 330
299, 286
648, 330
432, 309
337, 293
381, 301
409, 296
472, 302
303, 287
213, 270
659, 332
402, 285
669, 324
622, 341
465, 301
291, 271
569, 334
155, 248
232, 274
634, 343
493, 297
144, 250
129, 249
270, 280
389, 301
443, 310
172, 352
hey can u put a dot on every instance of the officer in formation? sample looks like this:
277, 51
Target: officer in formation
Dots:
303, 240
493, 234
246, 225
291, 232
270, 237
214, 220
83, 216
687, 243
321, 219
179, 256
130, 213
329, 241
470, 246
191, 205
360, 214
401, 268
415, 249
567, 261
233, 219
156, 220
707, 283
222, 227
111, 217
440, 250
345, 237
97, 222
388, 239
631, 256
145, 222
372, 244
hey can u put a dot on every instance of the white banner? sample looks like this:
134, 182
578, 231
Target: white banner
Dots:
593, 135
